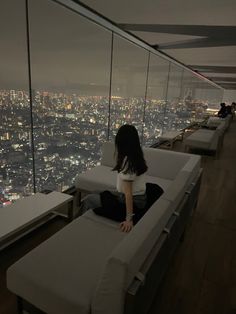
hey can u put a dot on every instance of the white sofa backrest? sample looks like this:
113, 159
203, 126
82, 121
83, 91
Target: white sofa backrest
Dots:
108, 154
127, 258
164, 164
161, 163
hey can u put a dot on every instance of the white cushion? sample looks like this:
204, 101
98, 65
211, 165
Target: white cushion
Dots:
89, 214
61, 274
170, 135
99, 178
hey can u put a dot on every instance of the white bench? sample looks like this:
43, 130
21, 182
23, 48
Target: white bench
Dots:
90, 266
201, 138
211, 140
216, 121
171, 137
22, 217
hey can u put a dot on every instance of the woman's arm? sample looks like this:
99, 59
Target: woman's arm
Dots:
127, 225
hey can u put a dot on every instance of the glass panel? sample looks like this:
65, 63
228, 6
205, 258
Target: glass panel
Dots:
229, 96
16, 178
70, 79
156, 98
192, 108
197, 99
129, 74
173, 115
207, 97
214, 98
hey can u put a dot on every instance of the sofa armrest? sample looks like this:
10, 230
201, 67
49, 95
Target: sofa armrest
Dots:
127, 258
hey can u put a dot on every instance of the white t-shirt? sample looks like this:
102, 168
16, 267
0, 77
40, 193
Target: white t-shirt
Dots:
139, 182
138, 186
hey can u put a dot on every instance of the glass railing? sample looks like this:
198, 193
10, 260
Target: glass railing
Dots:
70, 91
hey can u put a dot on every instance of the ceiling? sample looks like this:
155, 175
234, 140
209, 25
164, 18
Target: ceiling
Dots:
200, 34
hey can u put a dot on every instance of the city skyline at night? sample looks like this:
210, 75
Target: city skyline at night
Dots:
68, 131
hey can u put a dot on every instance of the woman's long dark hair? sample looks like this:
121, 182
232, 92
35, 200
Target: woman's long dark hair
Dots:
129, 152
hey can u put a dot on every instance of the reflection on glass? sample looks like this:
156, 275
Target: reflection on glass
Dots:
193, 108
213, 97
70, 79
156, 99
129, 74
174, 119
15, 150
207, 97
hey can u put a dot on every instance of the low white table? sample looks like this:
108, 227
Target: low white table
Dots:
22, 217
171, 137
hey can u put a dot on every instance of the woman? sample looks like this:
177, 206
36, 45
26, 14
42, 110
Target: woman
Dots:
131, 168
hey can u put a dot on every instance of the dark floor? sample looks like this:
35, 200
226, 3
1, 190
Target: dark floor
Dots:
202, 275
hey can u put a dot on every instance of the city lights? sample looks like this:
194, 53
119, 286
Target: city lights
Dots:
68, 131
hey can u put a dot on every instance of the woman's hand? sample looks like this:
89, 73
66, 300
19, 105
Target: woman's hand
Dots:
126, 226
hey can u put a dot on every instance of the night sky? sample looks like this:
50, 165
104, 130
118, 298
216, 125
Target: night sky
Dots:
69, 53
